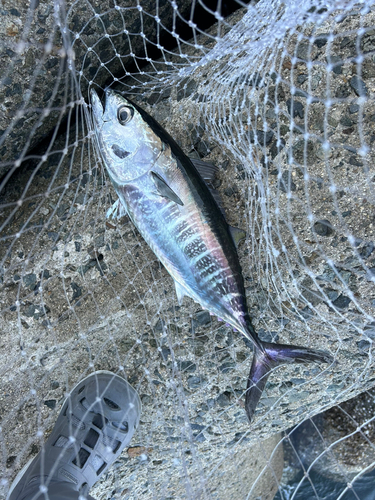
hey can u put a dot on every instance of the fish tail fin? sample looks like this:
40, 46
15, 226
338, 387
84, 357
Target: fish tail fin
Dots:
271, 356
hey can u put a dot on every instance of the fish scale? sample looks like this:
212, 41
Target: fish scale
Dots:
180, 218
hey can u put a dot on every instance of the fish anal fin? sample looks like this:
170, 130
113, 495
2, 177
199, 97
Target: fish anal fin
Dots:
237, 234
116, 211
163, 189
180, 291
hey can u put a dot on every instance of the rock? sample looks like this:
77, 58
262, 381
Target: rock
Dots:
223, 399
359, 87
346, 121
203, 148
349, 45
337, 64
321, 40
186, 366
227, 367
306, 313
302, 78
51, 403
312, 296
347, 431
261, 137
369, 330
159, 326
368, 68
45, 274
368, 41
36, 311
77, 291
353, 160
305, 51
353, 108
304, 152
256, 80
367, 250
341, 302
276, 147
323, 228
202, 318
157, 96
342, 91
195, 382
286, 182
295, 108
364, 345
230, 191
268, 336
99, 241
370, 274
29, 280
186, 88
113, 327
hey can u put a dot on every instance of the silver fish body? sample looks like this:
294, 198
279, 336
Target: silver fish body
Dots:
192, 239
174, 210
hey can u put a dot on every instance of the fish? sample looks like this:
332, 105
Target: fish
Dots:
167, 197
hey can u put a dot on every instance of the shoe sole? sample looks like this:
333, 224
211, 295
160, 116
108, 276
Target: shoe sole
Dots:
82, 382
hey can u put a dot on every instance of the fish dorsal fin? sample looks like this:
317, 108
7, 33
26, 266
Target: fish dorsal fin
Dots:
180, 291
206, 170
237, 234
163, 188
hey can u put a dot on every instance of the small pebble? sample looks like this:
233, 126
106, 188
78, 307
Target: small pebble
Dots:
359, 87
323, 228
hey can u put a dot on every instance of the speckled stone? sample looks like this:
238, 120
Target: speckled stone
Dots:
286, 182
359, 86
295, 108
323, 228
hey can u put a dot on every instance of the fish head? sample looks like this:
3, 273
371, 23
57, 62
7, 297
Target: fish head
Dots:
128, 144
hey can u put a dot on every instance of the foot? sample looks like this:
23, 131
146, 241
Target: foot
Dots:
96, 422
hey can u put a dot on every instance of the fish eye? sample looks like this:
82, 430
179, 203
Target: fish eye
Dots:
125, 114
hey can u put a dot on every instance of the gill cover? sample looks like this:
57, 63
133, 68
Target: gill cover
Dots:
128, 145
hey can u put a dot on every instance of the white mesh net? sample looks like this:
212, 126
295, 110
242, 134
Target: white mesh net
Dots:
279, 95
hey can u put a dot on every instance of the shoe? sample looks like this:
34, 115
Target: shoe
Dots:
96, 422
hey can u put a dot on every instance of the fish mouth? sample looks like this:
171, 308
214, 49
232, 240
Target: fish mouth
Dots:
100, 106
96, 107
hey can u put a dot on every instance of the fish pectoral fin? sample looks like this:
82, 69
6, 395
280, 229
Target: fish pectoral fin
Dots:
116, 211
237, 234
163, 188
180, 291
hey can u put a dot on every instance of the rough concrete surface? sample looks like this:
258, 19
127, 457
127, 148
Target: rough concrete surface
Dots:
81, 293
36, 53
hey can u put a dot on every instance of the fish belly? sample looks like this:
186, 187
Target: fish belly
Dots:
188, 247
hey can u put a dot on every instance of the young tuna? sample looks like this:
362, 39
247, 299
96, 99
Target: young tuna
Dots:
167, 199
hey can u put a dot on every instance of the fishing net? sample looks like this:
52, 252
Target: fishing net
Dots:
279, 95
